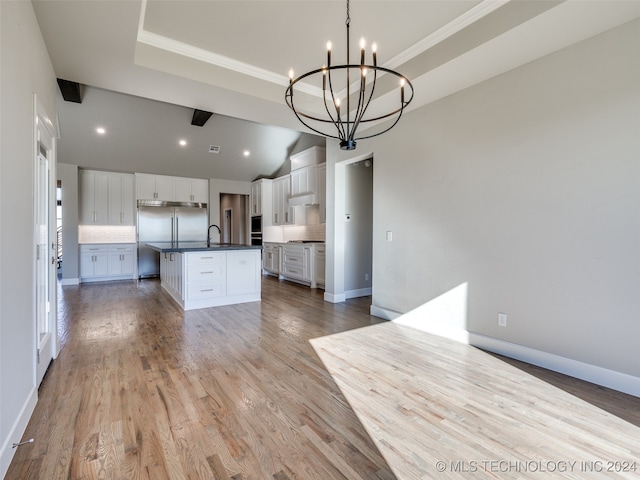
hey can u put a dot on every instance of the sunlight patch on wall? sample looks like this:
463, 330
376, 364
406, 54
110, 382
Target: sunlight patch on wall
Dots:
445, 315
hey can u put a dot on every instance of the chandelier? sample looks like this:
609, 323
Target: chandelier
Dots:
338, 91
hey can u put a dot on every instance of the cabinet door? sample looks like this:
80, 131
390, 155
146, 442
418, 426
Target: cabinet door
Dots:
128, 200
256, 198
94, 198
145, 187
86, 265
200, 190
243, 267
289, 212
101, 264
115, 209
164, 188
115, 264
182, 189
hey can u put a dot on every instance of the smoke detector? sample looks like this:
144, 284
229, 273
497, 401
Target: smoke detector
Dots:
214, 149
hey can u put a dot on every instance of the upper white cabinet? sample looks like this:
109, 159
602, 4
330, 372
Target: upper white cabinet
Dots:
154, 187
94, 195
262, 200
283, 214
121, 202
304, 176
169, 189
191, 190
106, 198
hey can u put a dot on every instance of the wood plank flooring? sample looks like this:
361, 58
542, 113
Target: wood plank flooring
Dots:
142, 390
441, 409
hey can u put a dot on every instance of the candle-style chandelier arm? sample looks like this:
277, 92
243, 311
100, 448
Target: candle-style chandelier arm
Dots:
362, 106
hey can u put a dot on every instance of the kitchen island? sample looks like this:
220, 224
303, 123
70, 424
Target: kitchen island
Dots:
201, 275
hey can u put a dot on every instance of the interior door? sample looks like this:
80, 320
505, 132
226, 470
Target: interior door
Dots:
45, 249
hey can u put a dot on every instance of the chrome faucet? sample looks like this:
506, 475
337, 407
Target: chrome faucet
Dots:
209, 234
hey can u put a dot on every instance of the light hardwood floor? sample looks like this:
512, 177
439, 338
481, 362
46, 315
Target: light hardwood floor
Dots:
437, 408
142, 390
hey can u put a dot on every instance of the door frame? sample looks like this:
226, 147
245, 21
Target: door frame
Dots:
47, 348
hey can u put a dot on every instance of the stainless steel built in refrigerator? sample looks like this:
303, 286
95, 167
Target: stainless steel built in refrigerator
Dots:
167, 222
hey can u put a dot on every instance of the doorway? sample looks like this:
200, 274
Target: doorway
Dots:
45, 244
234, 218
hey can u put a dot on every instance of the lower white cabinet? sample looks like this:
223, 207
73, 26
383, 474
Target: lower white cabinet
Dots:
121, 260
303, 263
271, 258
107, 261
212, 278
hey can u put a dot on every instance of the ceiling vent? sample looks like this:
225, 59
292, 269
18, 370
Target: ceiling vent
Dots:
200, 117
214, 149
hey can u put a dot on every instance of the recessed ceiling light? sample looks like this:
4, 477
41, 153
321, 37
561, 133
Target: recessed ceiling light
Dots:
247, 153
101, 130
182, 142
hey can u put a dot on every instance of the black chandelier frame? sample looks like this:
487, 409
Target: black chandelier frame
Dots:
346, 129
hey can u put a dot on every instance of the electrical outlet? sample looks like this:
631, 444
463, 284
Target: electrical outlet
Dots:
389, 235
366, 276
502, 319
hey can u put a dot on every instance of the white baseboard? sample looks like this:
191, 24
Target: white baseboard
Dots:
604, 377
383, 313
17, 430
70, 281
621, 382
331, 298
361, 292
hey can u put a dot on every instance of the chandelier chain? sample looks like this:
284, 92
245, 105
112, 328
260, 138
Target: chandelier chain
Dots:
348, 20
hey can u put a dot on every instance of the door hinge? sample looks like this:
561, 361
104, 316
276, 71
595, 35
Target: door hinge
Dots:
38, 356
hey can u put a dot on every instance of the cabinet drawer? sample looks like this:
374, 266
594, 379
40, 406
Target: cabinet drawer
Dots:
207, 257
121, 248
205, 290
94, 248
205, 272
293, 271
293, 256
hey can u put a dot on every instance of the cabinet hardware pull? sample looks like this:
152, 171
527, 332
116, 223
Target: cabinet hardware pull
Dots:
207, 290
206, 273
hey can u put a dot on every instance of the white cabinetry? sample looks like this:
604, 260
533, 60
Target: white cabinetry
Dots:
154, 187
243, 272
171, 272
106, 198
211, 278
191, 190
205, 275
94, 197
296, 262
262, 200
94, 261
107, 261
304, 181
169, 189
271, 258
282, 213
299, 262
121, 202
121, 260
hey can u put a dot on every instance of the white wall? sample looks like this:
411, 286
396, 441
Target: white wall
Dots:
523, 193
25, 69
68, 175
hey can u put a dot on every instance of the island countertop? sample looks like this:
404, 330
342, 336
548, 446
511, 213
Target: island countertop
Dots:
182, 247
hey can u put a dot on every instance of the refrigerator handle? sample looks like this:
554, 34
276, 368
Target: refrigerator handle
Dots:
172, 232
177, 229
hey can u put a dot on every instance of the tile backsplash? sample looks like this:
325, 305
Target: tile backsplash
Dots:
106, 234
